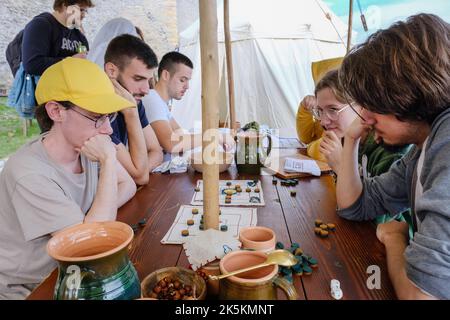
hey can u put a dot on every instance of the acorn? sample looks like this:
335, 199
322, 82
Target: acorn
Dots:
323, 233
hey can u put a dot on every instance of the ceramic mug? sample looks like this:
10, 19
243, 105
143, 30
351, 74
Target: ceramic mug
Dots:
93, 262
257, 238
258, 284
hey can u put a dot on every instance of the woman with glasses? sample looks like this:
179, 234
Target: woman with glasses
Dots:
330, 116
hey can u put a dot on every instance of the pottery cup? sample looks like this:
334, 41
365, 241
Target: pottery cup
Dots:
257, 238
259, 284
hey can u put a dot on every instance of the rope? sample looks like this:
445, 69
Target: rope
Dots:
328, 16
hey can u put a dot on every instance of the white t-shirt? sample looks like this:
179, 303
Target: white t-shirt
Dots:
155, 107
38, 197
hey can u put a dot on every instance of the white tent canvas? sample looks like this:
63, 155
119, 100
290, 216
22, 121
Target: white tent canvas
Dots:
274, 43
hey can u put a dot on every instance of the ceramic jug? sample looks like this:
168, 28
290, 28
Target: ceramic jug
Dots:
93, 262
258, 284
250, 154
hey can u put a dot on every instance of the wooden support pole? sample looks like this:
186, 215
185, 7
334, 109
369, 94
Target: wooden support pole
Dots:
350, 26
210, 111
230, 73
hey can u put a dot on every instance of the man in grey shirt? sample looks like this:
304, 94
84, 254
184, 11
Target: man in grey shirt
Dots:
401, 77
68, 175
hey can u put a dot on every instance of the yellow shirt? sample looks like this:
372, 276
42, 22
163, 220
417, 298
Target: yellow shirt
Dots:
309, 131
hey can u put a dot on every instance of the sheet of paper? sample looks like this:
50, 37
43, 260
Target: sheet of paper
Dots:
302, 166
287, 143
233, 217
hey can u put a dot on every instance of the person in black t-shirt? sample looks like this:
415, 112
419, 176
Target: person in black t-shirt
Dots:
51, 37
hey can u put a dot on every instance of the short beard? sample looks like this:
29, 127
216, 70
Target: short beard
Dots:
391, 147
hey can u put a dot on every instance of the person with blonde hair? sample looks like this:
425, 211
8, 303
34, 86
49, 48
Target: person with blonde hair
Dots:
401, 78
334, 114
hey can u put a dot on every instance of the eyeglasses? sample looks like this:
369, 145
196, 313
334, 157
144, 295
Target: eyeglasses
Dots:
98, 121
331, 113
351, 106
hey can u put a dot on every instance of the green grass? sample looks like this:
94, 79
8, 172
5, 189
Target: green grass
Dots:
11, 130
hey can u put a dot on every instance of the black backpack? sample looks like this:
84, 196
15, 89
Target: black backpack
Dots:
14, 53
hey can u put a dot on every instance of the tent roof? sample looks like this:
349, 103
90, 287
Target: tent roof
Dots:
282, 19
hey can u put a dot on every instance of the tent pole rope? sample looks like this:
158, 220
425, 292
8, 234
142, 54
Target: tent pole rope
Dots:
210, 111
350, 25
328, 16
230, 73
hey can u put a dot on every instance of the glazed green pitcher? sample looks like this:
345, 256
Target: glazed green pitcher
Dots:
93, 262
250, 154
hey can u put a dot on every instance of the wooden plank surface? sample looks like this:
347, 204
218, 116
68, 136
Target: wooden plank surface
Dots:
348, 251
345, 255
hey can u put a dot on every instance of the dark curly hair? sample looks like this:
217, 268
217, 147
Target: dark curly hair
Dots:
403, 70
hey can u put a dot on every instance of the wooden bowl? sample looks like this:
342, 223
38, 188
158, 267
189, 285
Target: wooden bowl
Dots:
185, 276
225, 161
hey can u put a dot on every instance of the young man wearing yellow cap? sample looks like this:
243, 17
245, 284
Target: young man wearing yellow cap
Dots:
69, 175
130, 63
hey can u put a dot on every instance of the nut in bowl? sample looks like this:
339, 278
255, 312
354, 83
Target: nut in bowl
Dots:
225, 161
174, 283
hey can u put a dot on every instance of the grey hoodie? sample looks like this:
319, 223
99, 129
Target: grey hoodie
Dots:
428, 253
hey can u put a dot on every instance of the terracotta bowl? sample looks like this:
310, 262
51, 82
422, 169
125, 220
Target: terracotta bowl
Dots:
237, 260
225, 161
185, 276
89, 241
257, 238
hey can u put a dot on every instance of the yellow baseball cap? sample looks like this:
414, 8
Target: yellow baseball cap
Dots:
81, 82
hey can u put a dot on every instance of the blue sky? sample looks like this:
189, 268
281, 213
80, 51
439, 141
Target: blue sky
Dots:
382, 13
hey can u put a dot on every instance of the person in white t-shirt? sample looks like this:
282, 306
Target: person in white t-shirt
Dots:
174, 73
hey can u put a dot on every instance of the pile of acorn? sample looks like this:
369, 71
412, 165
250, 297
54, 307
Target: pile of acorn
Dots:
171, 289
323, 229
202, 274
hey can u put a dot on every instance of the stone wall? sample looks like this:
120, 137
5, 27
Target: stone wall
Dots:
187, 13
157, 19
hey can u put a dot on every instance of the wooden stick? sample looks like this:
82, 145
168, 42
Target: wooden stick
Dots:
350, 26
210, 111
230, 73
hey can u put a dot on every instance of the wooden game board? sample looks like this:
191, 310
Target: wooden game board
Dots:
243, 198
233, 218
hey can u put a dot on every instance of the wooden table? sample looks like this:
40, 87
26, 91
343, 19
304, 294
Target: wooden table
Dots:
345, 255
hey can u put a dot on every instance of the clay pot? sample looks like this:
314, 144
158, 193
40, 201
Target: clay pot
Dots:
259, 284
196, 161
257, 238
185, 276
93, 262
212, 269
